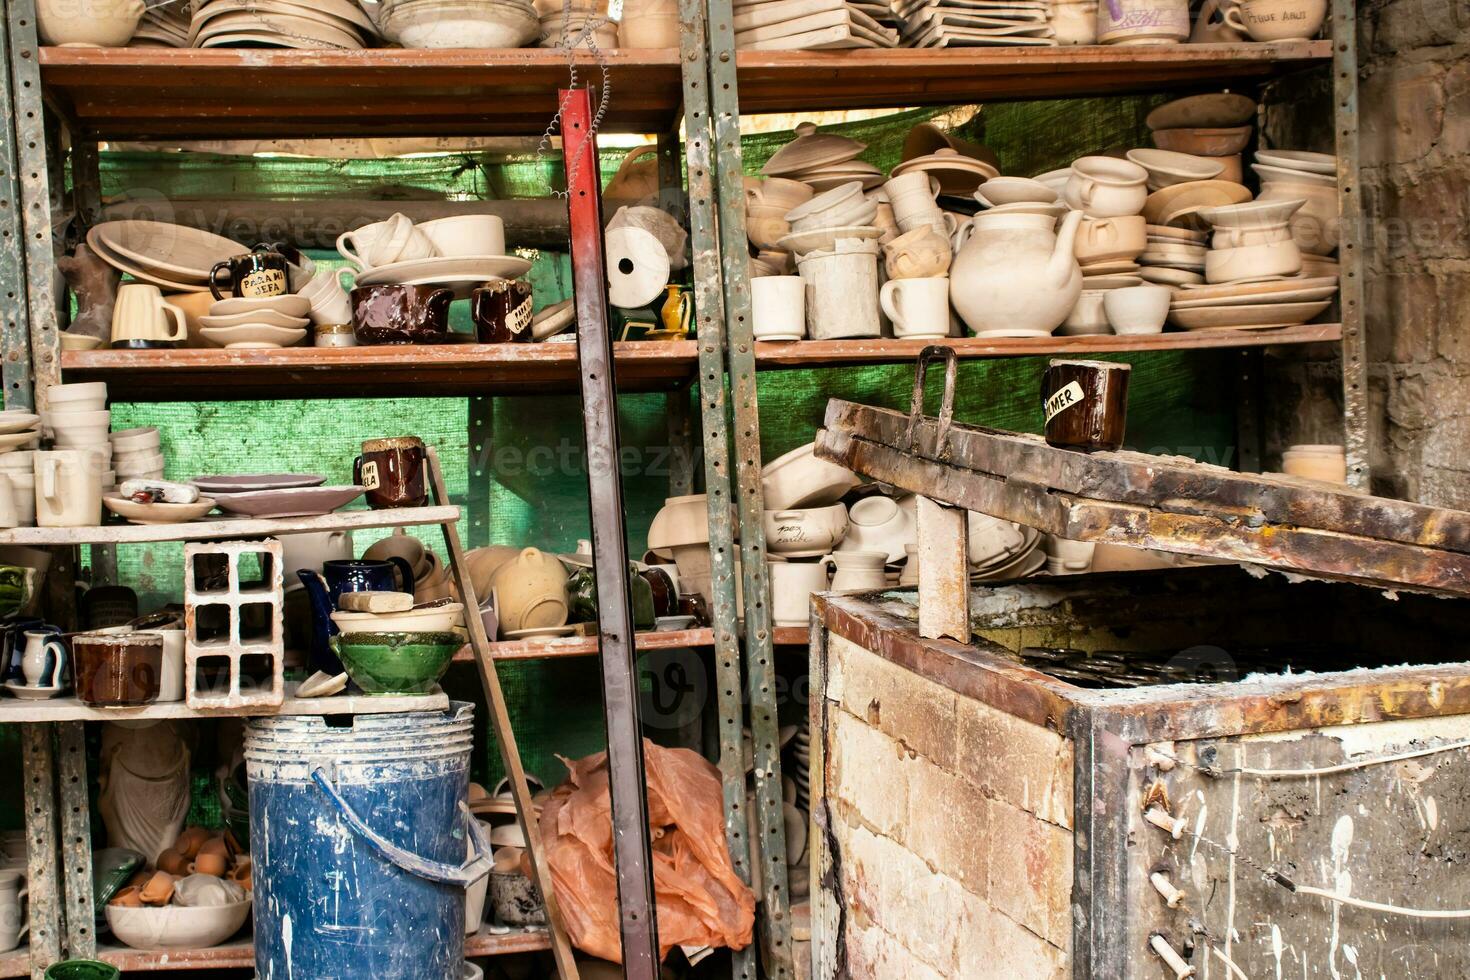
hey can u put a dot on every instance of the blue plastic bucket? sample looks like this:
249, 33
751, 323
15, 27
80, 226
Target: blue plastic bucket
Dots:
358, 836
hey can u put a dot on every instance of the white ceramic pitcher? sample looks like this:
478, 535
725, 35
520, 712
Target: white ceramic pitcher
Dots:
43, 663
856, 571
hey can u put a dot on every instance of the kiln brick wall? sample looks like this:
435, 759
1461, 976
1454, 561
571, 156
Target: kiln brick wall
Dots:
1414, 103
951, 823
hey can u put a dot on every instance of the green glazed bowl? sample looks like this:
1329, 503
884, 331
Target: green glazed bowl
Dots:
396, 663
82, 970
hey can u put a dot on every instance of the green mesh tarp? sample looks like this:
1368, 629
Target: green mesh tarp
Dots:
537, 482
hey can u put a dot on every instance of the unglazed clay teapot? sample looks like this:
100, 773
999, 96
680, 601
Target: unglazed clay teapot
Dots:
1016, 276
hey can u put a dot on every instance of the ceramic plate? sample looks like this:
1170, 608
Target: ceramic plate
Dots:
171, 251
299, 502
106, 254
1287, 175
257, 336
17, 440
824, 182
1300, 160
462, 273
802, 242
136, 513
15, 422
1256, 316
266, 318
1269, 284
251, 482
1192, 196
544, 633
1249, 295
27, 693
1161, 276
1171, 234
288, 306
1118, 267
1110, 282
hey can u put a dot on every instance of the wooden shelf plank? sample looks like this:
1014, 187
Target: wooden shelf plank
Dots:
233, 93
393, 371
826, 353
794, 81
216, 530
586, 646
14, 710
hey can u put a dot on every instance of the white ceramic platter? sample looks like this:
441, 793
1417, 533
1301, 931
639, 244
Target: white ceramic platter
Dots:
463, 273
253, 336
136, 513
118, 262
168, 251
304, 502
1258, 316
17, 422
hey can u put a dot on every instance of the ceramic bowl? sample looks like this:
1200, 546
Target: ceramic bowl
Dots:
430, 619
176, 927
1015, 190
781, 192
879, 524
1204, 142
1167, 167
461, 24
1137, 309
800, 479
93, 24
1252, 262
144, 439
393, 662
89, 396
681, 521
810, 532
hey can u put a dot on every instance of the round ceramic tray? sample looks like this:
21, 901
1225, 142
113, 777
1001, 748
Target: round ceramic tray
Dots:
1252, 295
169, 251
249, 483
137, 271
296, 502
1258, 316
159, 513
1299, 160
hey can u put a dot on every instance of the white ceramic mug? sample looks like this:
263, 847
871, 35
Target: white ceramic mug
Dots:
919, 308
792, 585
1278, 20
330, 303
466, 234
778, 307
171, 673
13, 919
140, 314
395, 239
68, 489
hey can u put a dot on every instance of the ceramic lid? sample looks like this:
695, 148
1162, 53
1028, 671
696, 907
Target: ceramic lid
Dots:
1212, 111
811, 149
925, 138
957, 173
1165, 206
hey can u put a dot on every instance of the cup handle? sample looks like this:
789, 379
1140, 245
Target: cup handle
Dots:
357, 471
343, 241
181, 326
1085, 188
1233, 19
951, 223
1107, 231
58, 666
405, 570
214, 289
353, 278
50, 473
888, 299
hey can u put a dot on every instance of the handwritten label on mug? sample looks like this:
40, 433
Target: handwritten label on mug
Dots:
518, 319
370, 480
264, 282
1064, 399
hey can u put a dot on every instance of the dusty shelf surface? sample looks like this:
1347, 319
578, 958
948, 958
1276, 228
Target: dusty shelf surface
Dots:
13, 709
217, 529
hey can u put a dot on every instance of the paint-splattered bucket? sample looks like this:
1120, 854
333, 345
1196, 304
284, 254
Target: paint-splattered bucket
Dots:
358, 831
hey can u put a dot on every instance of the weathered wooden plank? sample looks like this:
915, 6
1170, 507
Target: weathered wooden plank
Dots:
69, 709
224, 529
1171, 484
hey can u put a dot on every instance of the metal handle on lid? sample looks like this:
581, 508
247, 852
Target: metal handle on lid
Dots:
946, 406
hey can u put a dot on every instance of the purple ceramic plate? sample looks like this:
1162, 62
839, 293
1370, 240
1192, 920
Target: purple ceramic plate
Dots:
248, 483
288, 502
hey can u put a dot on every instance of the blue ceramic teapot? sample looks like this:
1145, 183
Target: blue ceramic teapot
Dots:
346, 575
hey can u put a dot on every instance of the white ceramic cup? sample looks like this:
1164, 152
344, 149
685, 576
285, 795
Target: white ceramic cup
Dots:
13, 920
9, 515
919, 308
1137, 309
778, 307
23, 487
1106, 187
792, 585
68, 489
466, 234
1278, 20
395, 239
171, 674
141, 315
856, 571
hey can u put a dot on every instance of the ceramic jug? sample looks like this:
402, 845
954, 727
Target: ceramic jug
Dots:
532, 591
1016, 276
856, 571
13, 923
44, 661
313, 550
324, 588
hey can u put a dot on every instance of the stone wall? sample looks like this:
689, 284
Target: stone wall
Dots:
949, 826
1414, 112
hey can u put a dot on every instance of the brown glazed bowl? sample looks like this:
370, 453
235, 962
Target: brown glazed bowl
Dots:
117, 670
401, 314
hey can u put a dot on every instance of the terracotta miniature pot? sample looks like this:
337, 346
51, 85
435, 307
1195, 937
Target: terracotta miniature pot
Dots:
173, 862
210, 864
190, 841
159, 890
129, 897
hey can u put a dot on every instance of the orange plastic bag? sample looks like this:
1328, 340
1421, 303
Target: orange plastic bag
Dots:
701, 899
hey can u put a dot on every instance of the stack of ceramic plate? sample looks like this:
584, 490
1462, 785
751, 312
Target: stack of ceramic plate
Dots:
582, 23
1009, 550
256, 322
823, 160
275, 494
280, 24
18, 429
974, 23
173, 257
460, 23
1216, 125
1173, 256
1280, 302
795, 25
162, 27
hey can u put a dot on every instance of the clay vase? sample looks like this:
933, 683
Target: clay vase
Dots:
531, 591
1016, 276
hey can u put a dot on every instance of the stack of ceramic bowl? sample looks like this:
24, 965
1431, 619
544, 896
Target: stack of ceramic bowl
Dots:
256, 322
1002, 549
820, 222
281, 23
459, 23
823, 160
578, 24
1215, 125
680, 530
162, 27
973, 23
137, 454
766, 205
77, 418
797, 25
1327, 463
1311, 178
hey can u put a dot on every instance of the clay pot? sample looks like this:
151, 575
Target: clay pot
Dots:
1106, 187
130, 897
173, 862
190, 841
1016, 276
1109, 239
531, 591
210, 864
243, 874
215, 845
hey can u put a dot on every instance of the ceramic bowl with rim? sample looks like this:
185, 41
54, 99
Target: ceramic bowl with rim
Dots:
1015, 190
681, 521
1204, 142
393, 662
175, 926
878, 523
87, 396
1168, 167
799, 479
144, 438
439, 618
1252, 262
94, 24
805, 532
461, 24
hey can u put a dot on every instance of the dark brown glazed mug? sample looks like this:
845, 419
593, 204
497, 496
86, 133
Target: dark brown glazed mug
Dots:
1086, 404
401, 314
392, 471
259, 272
502, 312
117, 669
